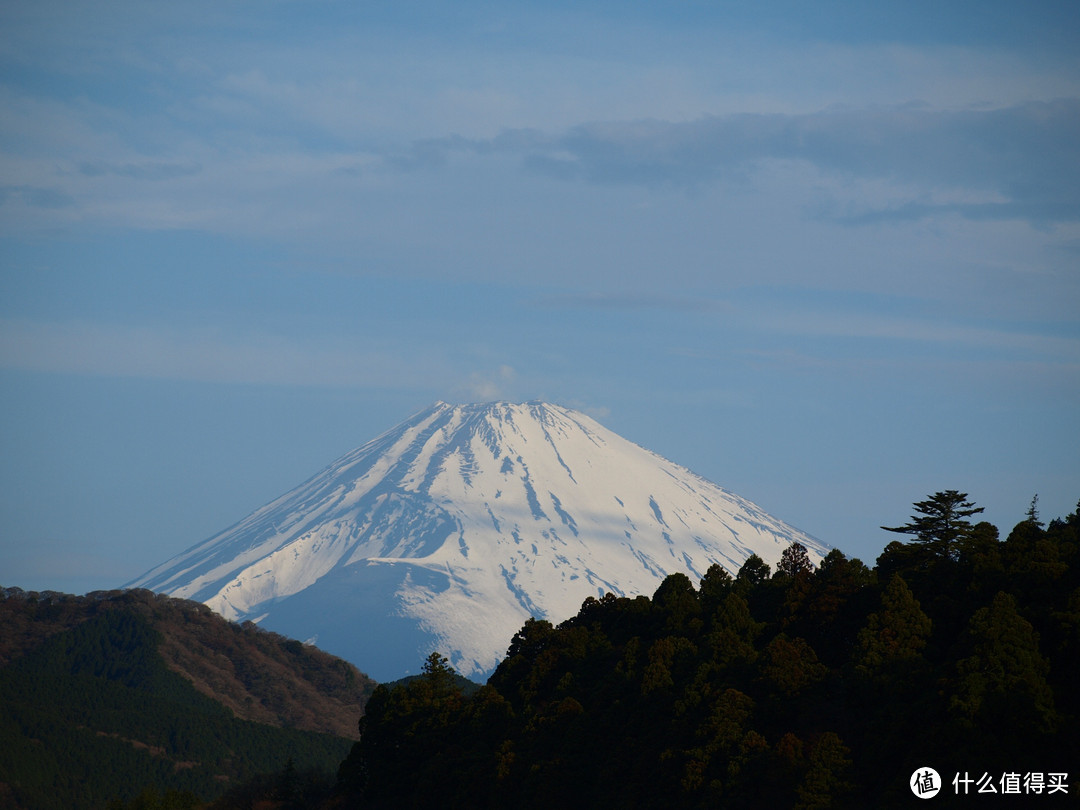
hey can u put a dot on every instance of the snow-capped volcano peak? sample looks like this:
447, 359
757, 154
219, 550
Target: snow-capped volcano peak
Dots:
450, 530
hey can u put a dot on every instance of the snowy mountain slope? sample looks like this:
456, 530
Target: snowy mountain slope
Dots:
450, 530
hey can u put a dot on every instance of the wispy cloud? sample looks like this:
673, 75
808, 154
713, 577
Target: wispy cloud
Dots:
858, 326
485, 386
144, 170
35, 197
598, 412
212, 355
634, 301
1026, 156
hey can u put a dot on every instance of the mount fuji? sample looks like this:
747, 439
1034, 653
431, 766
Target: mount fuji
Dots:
450, 530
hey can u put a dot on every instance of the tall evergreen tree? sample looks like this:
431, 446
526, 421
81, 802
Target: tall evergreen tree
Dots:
1003, 683
824, 785
793, 560
894, 635
753, 572
941, 522
790, 665
715, 586
1033, 512
733, 632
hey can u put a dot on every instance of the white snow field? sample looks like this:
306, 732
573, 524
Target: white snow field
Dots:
450, 530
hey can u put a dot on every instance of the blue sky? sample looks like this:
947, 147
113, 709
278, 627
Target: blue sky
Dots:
826, 255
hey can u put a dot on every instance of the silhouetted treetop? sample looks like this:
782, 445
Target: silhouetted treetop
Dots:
793, 560
940, 522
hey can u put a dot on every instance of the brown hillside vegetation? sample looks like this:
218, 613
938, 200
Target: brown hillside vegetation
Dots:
260, 676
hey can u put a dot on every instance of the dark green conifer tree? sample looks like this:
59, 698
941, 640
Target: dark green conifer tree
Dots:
1003, 688
895, 635
731, 639
753, 572
941, 522
794, 560
825, 784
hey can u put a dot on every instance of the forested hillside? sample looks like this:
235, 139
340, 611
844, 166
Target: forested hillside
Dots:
802, 687
259, 675
103, 695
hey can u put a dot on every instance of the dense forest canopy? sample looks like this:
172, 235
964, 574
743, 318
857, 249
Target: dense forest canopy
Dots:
805, 687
